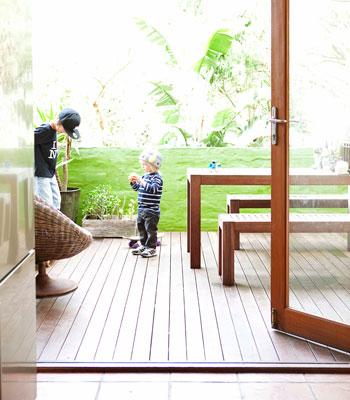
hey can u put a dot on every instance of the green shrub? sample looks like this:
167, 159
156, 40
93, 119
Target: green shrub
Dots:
103, 203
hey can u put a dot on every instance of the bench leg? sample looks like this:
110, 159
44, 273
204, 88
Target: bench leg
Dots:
220, 251
236, 239
227, 255
348, 235
234, 209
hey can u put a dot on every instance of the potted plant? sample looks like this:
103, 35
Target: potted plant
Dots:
107, 215
70, 196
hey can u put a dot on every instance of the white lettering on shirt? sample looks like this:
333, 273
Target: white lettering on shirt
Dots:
53, 150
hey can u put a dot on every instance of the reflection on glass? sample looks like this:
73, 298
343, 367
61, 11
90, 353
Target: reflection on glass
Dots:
17, 263
319, 259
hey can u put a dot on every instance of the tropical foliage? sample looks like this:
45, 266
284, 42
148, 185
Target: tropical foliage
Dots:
235, 77
156, 37
183, 73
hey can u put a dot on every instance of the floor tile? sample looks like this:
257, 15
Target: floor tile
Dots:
276, 391
327, 377
204, 390
209, 377
67, 390
326, 391
69, 377
136, 377
271, 377
133, 391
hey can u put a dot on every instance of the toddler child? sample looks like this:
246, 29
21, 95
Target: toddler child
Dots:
149, 188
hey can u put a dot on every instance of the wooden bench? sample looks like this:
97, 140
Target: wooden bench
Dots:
231, 224
234, 203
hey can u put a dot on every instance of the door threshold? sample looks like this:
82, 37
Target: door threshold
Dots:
194, 367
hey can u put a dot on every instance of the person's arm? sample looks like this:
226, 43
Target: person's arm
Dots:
155, 186
135, 186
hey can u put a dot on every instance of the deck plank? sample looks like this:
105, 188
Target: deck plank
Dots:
58, 337
287, 347
87, 308
194, 335
228, 336
210, 330
160, 335
116, 310
300, 295
58, 269
339, 260
301, 348
245, 337
89, 343
177, 321
251, 292
125, 341
55, 315
330, 288
127, 308
143, 333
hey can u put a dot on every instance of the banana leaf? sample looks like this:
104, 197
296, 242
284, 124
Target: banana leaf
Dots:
219, 45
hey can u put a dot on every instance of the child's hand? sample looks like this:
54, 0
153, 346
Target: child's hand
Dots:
133, 177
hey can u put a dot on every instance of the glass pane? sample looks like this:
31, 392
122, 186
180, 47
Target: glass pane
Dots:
319, 260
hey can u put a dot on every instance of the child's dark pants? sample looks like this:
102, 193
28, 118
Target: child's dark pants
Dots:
147, 224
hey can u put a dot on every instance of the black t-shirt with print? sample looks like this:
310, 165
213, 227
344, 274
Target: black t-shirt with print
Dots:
45, 145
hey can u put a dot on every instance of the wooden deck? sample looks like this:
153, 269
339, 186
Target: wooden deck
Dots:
127, 308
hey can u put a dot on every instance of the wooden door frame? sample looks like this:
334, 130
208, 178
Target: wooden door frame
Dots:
284, 318
279, 162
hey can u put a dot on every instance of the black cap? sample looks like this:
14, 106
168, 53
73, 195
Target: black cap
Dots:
70, 119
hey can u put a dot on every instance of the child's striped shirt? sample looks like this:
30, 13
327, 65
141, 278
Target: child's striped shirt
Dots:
149, 195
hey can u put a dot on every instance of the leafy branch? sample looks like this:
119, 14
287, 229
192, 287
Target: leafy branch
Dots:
162, 91
156, 37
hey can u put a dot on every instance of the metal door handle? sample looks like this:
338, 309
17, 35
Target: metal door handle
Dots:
277, 121
274, 121
283, 121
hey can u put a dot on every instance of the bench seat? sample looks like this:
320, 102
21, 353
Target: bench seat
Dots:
235, 202
232, 224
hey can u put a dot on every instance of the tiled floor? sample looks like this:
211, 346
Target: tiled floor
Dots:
180, 386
